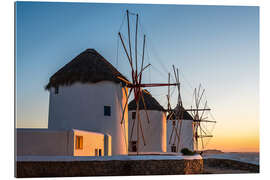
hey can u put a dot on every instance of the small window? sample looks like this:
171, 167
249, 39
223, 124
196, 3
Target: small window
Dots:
133, 115
99, 152
173, 148
96, 152
56, 90
133, 145
79, 142
107, 110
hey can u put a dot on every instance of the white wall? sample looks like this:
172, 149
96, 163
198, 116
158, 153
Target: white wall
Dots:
43, 142
155, 133
91, 141
81, 106
186, 135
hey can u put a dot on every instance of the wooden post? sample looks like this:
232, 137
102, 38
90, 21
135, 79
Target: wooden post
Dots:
136, 43
138, 129
129, 42
140, 79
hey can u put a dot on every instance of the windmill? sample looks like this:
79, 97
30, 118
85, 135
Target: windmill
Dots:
179, 116
136, 86
200, 131
175, 115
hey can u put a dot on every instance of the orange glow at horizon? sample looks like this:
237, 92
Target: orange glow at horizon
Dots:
245, 138
235, 144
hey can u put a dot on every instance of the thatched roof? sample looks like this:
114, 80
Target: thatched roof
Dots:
150, 102
89, 66
177, 114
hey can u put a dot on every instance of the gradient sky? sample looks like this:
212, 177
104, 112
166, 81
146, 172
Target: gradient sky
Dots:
217, 46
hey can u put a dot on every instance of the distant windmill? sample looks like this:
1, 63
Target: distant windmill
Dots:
180, 119
176, 116
136, 86
198, 113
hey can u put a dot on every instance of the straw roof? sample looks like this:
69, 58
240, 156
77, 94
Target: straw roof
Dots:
177, 114
89, 66
150, 102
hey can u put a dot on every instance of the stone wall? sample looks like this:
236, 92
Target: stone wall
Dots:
108, 168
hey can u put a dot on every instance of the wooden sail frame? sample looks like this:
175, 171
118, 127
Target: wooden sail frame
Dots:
178, 113
197, 114
136, 86
198, 131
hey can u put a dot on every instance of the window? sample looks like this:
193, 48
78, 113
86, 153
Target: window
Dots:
96, 152
133, 145
56, 90
79, 142
99, 152
173, 148
107, 110
133, 115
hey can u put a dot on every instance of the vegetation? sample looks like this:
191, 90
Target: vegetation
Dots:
187, 152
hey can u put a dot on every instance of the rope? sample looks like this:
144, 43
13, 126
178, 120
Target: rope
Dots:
143, 29
124, 17
117, 53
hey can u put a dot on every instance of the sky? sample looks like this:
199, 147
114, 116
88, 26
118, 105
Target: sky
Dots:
216, 46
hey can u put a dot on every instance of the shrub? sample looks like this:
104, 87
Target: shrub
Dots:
187, 152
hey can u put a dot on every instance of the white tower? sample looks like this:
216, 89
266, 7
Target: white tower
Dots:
184, 130
153, 132
85, 94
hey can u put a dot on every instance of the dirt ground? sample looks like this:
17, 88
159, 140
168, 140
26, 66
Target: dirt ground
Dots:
212, 170
226, 166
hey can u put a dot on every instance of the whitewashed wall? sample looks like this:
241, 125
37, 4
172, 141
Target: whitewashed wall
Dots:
91, 141
155, 133
186, 135
44, 142
81, 106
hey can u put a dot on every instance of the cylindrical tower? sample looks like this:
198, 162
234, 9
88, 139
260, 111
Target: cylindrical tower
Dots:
154, 132
86, 94
184, 130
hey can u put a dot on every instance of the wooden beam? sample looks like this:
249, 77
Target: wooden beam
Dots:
140, 78
151, 85
124, 46
129, 42
207, 109
136, 43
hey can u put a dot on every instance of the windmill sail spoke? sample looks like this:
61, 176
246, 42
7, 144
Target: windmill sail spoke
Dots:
136, 41
123, 113
143, 69
122, 79
139, 121
201, 137
199, 101
131, 133
148, 120
178, 136
202, 130
203, 111
171, 133
129, 41
138, 125
124, 46
140, 78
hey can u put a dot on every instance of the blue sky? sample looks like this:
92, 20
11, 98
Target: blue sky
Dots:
217, 46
